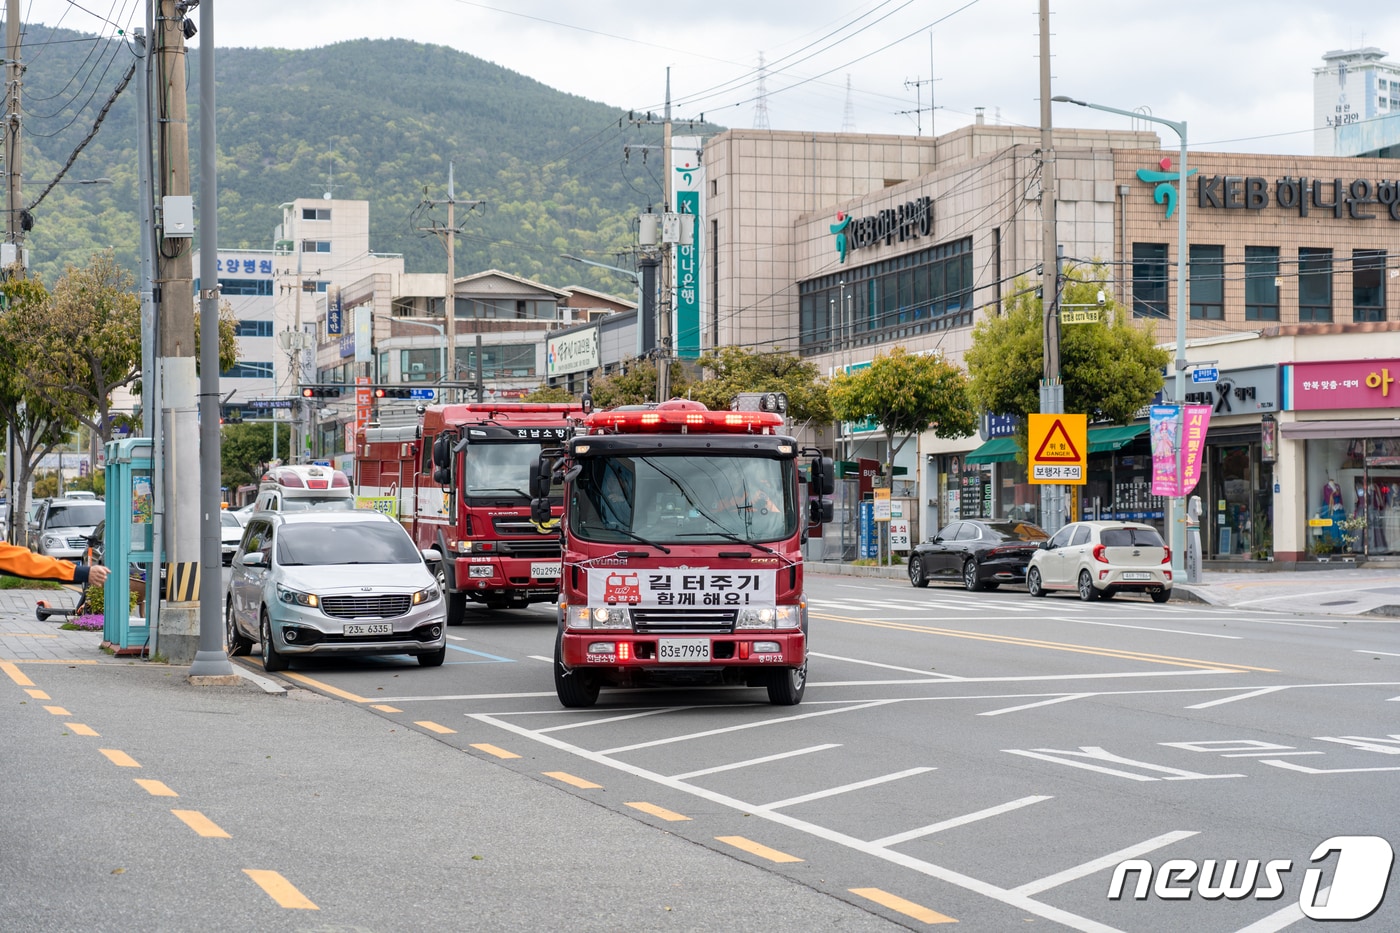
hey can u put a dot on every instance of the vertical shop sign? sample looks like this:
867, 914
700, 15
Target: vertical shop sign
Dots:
687, 179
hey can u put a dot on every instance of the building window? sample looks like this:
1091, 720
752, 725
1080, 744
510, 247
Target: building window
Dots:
253, 329
1207, 272
246, 370
1261, 283
419, 365
315, 246
1314, 284
315, 213
499, 361
1149, 280
1368, 285
242, 287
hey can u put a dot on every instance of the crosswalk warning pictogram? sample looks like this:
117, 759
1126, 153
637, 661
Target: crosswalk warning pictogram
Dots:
1057, 446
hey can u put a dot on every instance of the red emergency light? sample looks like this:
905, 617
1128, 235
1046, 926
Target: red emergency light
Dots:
679, 415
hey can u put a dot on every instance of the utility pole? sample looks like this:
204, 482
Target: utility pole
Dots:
179, 634
14, 231
1052, 390
448, 235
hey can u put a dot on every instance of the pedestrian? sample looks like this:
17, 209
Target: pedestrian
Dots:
22, 562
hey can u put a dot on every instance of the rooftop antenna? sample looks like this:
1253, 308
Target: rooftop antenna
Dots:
330, 175
848, 119
760, 107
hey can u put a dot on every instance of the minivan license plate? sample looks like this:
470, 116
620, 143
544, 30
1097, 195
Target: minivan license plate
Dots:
369, 628
683, 650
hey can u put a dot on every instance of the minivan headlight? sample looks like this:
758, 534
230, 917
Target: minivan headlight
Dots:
296, 597
426, 595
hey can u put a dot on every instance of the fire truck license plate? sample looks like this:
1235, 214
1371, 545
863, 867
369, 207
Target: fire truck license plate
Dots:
683, 650
544, 571
371, 628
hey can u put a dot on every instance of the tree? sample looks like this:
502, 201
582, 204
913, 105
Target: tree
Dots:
245, 449
906, 394
544, 393
1110, 369
733, 370
635, 385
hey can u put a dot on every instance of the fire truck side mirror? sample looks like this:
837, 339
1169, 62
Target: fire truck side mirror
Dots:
820, 510
542, 478
442, 453
540, 512
823, 476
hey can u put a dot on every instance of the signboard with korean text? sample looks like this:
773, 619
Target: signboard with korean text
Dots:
882, 503
1178, 441
335, 313
1237, 391
1341, 384
899, 534
1059, 448
682, 586
572, 352
364, 401
687, 181
389, 505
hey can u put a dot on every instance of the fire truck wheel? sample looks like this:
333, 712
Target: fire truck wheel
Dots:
433, 658
238, 643
272, 661
786, 686
576, 689
456, 607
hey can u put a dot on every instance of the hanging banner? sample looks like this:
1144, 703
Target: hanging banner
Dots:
1164, 429
1197, 421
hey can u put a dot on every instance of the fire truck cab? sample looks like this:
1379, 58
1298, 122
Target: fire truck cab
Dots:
682, 555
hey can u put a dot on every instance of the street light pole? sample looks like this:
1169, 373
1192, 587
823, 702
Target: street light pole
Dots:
1177, 529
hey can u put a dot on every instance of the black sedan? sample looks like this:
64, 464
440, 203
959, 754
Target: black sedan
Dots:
981, 555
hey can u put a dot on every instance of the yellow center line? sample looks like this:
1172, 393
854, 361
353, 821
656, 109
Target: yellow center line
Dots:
568, 778
14, 673
38, 694
494, 750
1117, 653
58, 711
434, 727
900, 905
671, 816
155, 788
319, 685
78, 728
280, 889
201, 824
120, 759
384, 708
756, 848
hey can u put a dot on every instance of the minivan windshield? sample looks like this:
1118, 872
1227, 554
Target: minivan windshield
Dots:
348, 543
683, 499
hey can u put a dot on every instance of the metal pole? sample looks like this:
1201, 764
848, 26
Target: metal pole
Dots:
211, 663
1052, 390
151, 402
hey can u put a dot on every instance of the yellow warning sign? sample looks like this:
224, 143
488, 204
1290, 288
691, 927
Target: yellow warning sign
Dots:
1059, 448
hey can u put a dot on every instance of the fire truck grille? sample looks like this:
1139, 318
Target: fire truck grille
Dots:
664, 621
515, 526
545, 548
383, 606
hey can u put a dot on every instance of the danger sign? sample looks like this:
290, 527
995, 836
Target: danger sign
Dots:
1058, 446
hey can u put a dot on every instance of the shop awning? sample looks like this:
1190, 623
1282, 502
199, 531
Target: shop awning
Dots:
1303, 430
1106, 440
996, 450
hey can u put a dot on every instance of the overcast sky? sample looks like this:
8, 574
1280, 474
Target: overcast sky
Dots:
1239, 72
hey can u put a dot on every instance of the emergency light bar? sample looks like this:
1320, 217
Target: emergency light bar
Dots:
680, 415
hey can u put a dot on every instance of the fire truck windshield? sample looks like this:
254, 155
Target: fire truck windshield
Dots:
501, 468
683, 499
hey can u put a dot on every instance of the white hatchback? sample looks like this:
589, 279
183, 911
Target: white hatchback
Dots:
1101, 559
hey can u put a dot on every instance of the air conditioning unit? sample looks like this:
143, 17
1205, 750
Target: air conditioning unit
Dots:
415, 367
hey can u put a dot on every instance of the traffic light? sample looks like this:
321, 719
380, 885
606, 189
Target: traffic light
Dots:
320, 392
392, 392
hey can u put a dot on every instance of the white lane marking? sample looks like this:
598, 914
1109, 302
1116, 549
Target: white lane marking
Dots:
847, 788
749, 725
756, 761
967, 882
1148, 628
1267, 754
1284, 918
1295, 624
457, 637
608, 720
1291, 596
1029, 678
1055, 757
540, 657
1240, 696
1388, 654
956, 821
1099, 864
1016, 709
888, 667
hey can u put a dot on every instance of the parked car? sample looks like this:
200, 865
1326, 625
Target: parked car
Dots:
230, 533
981, 555
327, 584
61, 526
1101, 559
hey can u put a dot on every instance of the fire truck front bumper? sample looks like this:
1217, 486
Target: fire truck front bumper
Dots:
753, 648
508, 573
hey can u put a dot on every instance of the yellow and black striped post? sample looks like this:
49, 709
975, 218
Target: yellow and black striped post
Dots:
182, 582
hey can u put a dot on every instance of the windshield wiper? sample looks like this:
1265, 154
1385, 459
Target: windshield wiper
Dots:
636, 537
728, 536
489, 490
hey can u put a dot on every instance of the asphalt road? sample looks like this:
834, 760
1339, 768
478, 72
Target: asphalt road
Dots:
986, 758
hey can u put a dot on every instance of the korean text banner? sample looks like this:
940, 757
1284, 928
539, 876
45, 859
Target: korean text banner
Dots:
1197, 421
689, 587
1164, 429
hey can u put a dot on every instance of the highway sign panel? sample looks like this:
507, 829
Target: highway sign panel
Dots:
1059, 448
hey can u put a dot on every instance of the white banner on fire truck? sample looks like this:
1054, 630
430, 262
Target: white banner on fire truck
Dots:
674, 587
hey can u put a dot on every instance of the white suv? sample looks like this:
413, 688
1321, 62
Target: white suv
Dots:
1100, 559
61, 526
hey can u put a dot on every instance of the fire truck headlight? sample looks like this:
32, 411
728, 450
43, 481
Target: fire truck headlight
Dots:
426, 595
768, 617
610, 617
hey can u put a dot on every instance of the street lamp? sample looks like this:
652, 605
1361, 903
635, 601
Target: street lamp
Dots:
1177, 530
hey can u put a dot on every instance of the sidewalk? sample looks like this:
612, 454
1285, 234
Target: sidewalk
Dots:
1338, 589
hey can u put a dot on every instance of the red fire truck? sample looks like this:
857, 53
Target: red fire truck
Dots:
683, 531
459, 481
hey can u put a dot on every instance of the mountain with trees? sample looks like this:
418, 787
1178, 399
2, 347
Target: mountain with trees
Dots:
374, 120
